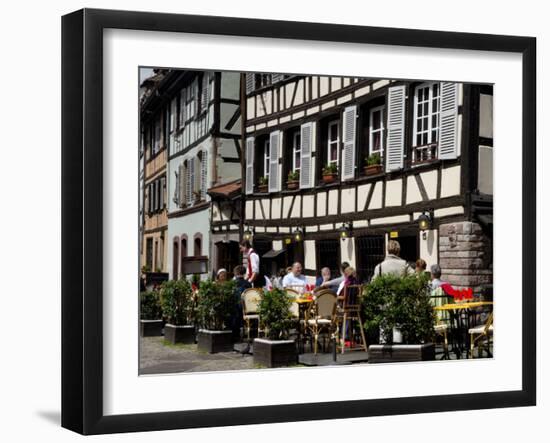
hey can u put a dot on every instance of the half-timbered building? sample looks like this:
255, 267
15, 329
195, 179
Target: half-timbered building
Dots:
311, 198
153, 161
200, 132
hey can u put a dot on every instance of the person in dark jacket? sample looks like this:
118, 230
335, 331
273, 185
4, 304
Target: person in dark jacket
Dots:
240, 285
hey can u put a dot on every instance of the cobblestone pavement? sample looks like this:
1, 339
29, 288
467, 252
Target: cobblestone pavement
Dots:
157, 357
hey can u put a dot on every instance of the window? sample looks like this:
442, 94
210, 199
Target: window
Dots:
263, 80
296, 151
265, 156
376, 130
333, 142
426, 122
156, 141
149, 254
369, 251
173, 114
198, 246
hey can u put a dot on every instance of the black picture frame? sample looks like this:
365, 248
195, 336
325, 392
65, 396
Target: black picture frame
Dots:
82, 190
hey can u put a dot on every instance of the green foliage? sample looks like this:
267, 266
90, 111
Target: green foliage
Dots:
390, 301
149, 306
330, 168
177, 302
293, 175
216, 304
274, 310
262, 181
374, 159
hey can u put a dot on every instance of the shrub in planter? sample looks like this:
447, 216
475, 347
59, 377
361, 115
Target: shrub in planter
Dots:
373, 164
150, 314
330, 172
402, 303
293, 180
216, 307
275, 349
177, 307
262, 184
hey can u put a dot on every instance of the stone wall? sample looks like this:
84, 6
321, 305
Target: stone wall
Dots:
465, 255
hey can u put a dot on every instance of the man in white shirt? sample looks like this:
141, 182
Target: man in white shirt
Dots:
252, 264
294, 277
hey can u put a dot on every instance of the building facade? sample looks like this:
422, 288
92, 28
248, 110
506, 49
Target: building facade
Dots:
433, 141
153, 176
202, 116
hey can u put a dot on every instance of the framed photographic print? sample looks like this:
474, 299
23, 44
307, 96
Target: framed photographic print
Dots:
270, 221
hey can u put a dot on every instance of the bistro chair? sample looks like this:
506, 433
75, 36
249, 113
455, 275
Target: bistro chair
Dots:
443, 320
251, 299
477, 334
323, 315
348, 316
295, 290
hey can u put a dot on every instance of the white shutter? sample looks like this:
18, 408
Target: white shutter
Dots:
249, 189
306, 159
274, 166
396, 128
189, 179
349, 130
204, 92
448, 118
204, 170
250, 80
162, 184
276, 78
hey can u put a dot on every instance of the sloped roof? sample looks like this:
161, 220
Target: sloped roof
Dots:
227, 190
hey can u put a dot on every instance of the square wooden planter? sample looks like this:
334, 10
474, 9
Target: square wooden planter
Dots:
275, 353
179, 334
401, 353
214, 341
150, 328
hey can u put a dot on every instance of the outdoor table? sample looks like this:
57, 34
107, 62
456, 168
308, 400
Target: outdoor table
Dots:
460, 324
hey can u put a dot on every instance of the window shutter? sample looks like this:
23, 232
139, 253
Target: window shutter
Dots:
189, 181
176, 196
149, 199
274, 166
306, 159
396, 128
204, 173
182, 197
249, 165
448, 118
349, 130
277, 78
162, 186
204, 92
250, 80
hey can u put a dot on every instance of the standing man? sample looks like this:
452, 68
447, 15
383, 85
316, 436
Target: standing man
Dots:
252, 264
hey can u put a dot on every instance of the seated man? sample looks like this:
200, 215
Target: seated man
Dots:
325, 276
335, 283
294, 277
435, 276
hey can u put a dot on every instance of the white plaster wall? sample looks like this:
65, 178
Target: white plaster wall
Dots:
430, 183
276, 208
376, 200
450, 182
309, 254
347, 251
321, 204
308, 206
296, 207
333, 202
348, 200
393, 192
413, 192
429, 247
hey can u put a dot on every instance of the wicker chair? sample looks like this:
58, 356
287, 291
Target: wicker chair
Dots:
251, 298
477, 333
348, 314
323, 316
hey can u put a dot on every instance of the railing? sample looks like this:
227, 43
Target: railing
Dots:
424, 154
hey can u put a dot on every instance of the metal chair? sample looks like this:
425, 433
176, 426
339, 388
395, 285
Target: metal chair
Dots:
323, 315
348, 316
251, 299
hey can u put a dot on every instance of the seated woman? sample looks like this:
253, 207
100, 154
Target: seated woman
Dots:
350, 278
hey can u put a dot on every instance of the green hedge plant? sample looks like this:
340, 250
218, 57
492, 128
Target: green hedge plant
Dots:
402, 302
216, 304
275, 315
149, 305
177, 302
